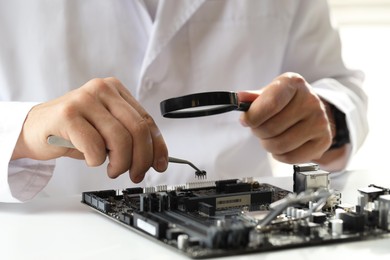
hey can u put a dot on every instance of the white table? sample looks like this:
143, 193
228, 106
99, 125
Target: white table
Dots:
66, 229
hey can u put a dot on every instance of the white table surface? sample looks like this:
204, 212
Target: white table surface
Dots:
66, 229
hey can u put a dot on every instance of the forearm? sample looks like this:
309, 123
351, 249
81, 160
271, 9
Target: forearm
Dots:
20, 180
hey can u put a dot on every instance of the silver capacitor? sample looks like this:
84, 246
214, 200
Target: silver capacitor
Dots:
384, 212
337, 227
182, 241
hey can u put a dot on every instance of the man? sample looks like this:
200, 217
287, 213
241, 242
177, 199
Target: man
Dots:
127, 56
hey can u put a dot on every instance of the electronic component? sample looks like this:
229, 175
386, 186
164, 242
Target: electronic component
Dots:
200, 174
384, 212
309, 177
230, 217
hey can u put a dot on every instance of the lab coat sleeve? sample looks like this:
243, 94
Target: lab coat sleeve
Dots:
314, 51
22, 179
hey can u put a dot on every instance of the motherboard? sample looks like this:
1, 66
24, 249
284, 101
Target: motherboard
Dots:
240, 216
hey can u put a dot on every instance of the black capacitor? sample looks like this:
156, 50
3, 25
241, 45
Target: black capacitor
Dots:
352, 221
220, 186
318, 217
206, 209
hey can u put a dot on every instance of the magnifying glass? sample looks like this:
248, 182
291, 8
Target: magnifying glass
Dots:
202, 104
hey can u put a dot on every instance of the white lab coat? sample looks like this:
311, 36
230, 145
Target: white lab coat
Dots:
48, 48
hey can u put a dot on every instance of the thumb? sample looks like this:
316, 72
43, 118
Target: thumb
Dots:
248, 96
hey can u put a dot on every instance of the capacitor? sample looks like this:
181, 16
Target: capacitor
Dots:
294, 213
289, 212
182, 241
300, 213
318, 217
384, 212
337, 227
362, 200
338, 212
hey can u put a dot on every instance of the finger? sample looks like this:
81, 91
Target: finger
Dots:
87, 140
290, 142
142, 149
119, 147
116, 99
160, 151
75, 154
293, 113
273, 99
249, 95
309, 151
118, 141
159, 148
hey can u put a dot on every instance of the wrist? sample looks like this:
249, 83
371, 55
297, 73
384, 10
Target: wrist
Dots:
341, 132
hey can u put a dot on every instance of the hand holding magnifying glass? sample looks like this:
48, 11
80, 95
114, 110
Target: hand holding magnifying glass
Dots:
290, 119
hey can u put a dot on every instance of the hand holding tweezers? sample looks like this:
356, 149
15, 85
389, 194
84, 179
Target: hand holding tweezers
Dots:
59, 141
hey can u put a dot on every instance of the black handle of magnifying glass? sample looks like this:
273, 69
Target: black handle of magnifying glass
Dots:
244, 106
202, 104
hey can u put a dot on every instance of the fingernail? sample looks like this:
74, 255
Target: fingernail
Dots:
162, 164
139, 178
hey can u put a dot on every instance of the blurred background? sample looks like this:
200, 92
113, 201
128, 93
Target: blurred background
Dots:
364, 27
